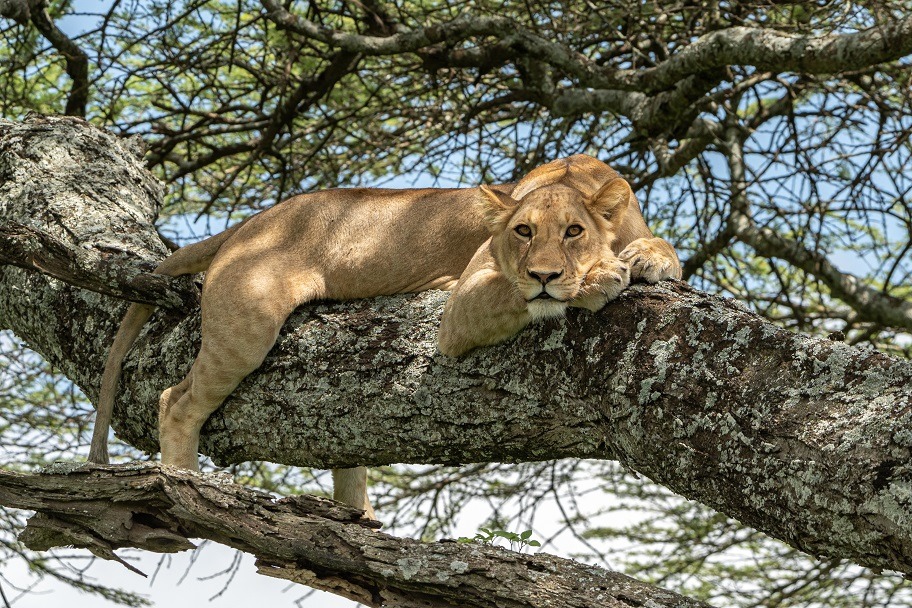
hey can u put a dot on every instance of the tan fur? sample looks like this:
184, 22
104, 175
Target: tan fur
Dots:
356, 243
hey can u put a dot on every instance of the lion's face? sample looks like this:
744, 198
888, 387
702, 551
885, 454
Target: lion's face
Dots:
548, 240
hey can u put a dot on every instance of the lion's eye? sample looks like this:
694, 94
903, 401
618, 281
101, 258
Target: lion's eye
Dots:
574, 230
523, 230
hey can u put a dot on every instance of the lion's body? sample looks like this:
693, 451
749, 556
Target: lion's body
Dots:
356, 243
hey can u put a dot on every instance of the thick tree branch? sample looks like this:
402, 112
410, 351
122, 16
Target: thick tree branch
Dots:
804, 439
18, 10
660, 112
304, 539
658, 100
39, 251
406, 40
766, 49
75, 249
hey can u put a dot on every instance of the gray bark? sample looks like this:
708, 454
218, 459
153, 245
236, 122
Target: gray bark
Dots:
658, 100
805, 439
304, 539
746, 46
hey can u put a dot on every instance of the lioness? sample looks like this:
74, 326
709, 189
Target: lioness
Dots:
570, 233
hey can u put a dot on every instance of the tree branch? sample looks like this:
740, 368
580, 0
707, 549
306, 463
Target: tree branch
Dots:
871, 304
17, 10
304, 539
32, 249
411, 40
766, 49
804, 439
308, 92
660, 112
37, 232
77, 62
662, 99
701, 133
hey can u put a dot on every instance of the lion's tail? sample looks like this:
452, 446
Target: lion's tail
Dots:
186, 260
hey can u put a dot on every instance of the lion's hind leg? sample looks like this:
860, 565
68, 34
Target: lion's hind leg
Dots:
240, 326
184, 408
350, 487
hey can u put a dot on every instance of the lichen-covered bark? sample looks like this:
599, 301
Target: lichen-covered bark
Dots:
806, 439
86, 191
304, 539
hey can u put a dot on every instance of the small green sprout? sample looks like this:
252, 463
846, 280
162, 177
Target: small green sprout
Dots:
487, 536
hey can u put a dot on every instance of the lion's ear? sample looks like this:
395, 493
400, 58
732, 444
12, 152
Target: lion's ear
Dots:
497, 207
612, 199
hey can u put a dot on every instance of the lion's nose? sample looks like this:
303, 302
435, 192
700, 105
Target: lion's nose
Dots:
545, 276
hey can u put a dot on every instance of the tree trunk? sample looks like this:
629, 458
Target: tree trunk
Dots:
805, 439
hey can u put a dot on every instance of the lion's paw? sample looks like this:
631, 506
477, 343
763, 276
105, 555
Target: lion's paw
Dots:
650, 262
603, 283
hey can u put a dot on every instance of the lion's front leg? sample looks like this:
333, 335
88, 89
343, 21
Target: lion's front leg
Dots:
651, 259
604, 282
485, 308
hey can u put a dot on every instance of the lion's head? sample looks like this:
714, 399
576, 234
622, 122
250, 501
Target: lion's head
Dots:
555, 225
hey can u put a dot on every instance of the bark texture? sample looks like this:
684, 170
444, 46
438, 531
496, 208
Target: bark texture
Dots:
808, 440
748, 46
304, 539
